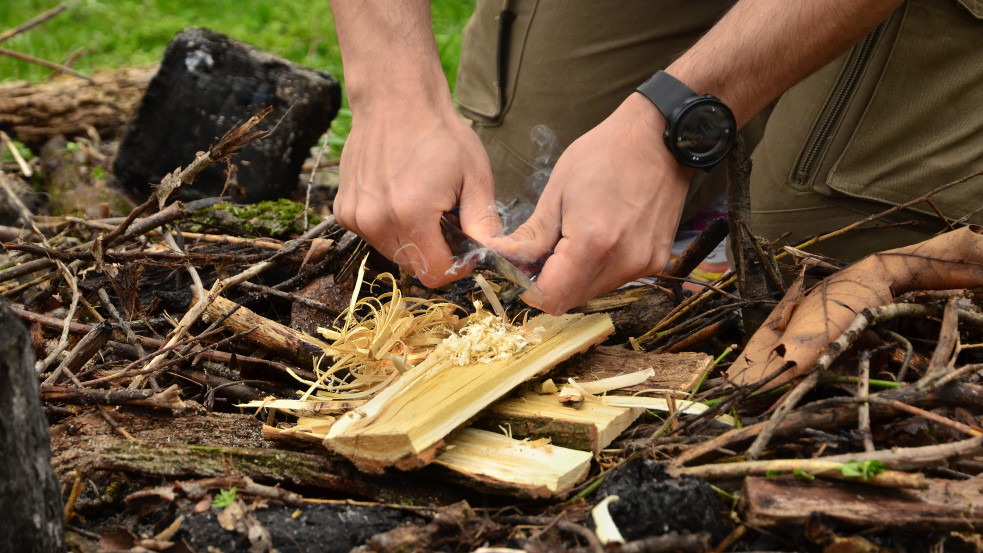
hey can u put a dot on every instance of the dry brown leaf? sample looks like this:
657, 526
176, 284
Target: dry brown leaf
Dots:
950, 261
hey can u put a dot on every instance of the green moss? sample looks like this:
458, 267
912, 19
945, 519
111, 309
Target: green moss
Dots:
272, 219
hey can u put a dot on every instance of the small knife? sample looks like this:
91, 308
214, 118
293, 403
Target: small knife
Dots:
466, 249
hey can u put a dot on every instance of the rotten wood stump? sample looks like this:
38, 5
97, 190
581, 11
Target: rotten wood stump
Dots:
30, 498
208, 81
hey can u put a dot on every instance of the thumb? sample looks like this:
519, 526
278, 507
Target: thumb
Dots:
534, 240
479, 217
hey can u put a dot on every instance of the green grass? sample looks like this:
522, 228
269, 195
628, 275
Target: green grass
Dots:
107, 34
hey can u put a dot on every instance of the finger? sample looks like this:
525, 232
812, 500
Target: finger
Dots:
534, 239
569, 278
479, 216
425, 253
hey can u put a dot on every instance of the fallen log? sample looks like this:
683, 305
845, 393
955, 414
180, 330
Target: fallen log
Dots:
272, 466
783, 503
69, 106
406, 423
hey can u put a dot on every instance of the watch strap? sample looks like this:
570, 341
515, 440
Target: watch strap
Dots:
666, 92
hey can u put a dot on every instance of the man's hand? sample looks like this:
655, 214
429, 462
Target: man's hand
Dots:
608, 214
410, 157
400, 170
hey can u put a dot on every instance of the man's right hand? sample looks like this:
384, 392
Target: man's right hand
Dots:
402, 167
410, 157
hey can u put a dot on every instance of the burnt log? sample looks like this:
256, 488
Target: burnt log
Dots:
206, 85
30, 498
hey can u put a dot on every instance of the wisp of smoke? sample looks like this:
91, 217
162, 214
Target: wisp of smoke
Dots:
463, 260
418, 263
547, 151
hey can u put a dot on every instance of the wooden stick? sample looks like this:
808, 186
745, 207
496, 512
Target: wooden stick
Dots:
863, 390
811, 467
33, 22
169, 399
270, 334
49, 64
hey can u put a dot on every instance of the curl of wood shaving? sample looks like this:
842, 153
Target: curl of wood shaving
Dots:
377, 338
486, 338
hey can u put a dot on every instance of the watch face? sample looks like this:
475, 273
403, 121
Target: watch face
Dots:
703, 134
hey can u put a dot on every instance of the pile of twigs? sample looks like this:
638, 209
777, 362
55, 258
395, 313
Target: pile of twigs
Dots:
121, 312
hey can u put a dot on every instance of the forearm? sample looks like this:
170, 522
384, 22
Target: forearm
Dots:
760, 48
389, 52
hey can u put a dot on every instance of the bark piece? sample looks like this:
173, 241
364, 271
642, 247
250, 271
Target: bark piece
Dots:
590, 428
207, 82
405, 424
632, 310
30, 498
785, 502
673, 371
69, 106
498, 462
795, 335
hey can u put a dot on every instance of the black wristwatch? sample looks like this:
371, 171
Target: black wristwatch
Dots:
700, 130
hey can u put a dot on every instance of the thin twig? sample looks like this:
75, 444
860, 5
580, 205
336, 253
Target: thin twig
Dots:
33, 22
788, 403
49, 64
928, 415
942, 357
310, 181
863, 389
25, 169
909, 352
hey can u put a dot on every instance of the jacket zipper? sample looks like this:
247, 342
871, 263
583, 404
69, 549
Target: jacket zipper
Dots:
834, 109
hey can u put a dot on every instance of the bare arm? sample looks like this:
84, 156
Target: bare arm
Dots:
611, 208
760, 48
409, 157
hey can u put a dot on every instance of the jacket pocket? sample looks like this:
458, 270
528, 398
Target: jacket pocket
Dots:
492, 43
923, 125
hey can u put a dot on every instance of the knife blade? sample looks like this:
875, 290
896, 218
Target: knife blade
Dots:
465, 249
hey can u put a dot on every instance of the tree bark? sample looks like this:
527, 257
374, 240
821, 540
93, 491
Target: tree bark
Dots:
30, 498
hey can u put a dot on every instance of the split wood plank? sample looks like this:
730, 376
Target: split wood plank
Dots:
406, 423
788, 501
662, 404
490, 461
591, 427
496, 461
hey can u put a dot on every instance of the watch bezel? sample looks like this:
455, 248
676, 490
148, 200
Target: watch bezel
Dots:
703, 161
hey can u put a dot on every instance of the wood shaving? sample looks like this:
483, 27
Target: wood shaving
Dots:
487, 338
